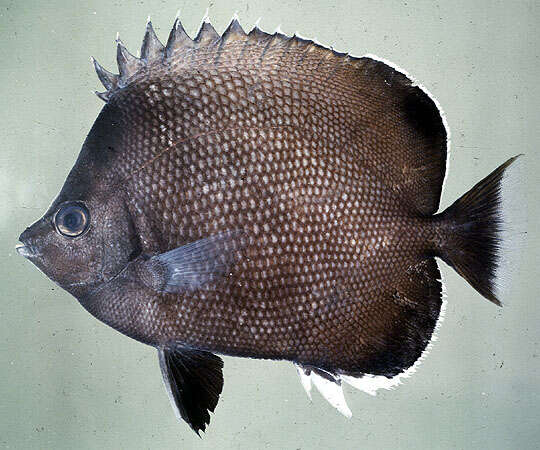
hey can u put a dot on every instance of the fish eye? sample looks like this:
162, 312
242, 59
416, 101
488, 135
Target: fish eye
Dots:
72, 219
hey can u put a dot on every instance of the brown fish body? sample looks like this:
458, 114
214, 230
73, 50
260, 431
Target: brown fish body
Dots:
289, 162
320, 174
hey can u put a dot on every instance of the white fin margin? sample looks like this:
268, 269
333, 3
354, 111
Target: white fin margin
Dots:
426, 91
513, 229
370, 384
304, 379
330, 390
167, 383
333, 393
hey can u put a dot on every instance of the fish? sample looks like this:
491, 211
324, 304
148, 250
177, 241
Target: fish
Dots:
262, 196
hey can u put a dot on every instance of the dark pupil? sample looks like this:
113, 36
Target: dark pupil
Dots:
72, 220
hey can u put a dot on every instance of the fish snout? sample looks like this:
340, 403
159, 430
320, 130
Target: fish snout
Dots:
26, 234
26, 246
25, 250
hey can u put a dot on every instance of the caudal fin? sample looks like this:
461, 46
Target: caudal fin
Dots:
473, 241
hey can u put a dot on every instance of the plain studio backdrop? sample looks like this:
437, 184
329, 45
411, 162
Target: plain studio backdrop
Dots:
68, 381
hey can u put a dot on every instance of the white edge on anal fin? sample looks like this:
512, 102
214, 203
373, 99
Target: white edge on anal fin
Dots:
370, 384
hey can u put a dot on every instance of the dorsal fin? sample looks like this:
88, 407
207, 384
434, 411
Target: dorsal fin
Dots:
178, 40
234, 32
152, 49
108, 79
389, 111
128, 64
261, 45
206, 35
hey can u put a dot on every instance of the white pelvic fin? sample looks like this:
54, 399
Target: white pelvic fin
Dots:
305, 379
333, 393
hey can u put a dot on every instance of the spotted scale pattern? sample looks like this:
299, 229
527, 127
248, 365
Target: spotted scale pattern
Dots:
320, 162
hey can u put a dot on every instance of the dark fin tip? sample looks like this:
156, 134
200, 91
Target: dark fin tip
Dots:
418, 298
423, 115
194, 381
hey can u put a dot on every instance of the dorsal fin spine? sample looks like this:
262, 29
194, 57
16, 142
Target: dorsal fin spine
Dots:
151, 48
108, 79
234, 31
178, 38
128, 64
103, 95
206, 34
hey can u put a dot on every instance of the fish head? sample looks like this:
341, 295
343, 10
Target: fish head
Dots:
87, 235
81, 244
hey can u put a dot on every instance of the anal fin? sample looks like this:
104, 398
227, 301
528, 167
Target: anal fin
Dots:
194, 381
413, 309
400, 339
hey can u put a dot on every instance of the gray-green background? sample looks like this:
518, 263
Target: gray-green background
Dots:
67, 381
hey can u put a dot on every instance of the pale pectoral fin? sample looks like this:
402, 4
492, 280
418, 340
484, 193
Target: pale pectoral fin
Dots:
194, 381
194, 265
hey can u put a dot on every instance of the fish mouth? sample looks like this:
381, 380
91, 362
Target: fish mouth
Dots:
25, 250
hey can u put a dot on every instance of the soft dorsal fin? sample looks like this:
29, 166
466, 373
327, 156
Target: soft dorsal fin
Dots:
385, 112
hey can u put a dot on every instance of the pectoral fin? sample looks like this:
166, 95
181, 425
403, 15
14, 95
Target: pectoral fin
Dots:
192, 266
194, 381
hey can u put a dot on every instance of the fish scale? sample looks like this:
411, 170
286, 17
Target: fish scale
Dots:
276, 220
284, 189
263, 196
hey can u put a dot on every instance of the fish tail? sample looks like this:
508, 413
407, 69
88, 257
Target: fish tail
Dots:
473, 232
